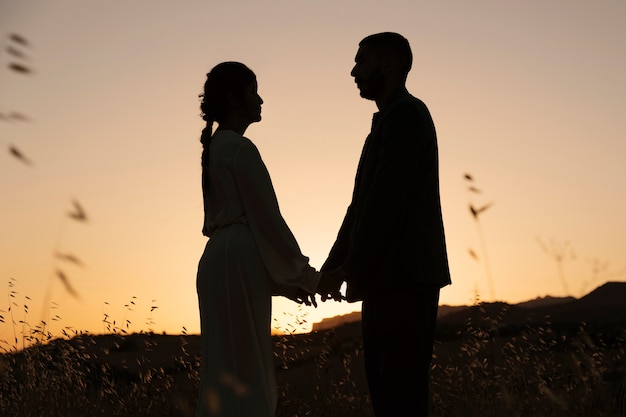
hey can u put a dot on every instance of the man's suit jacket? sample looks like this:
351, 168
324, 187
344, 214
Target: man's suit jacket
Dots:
392, 235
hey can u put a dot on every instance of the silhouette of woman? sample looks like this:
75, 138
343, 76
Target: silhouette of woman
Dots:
251, 254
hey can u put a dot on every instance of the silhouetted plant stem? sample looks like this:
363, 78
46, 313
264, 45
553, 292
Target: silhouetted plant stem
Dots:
45, 311
12, 303
487, 264
559, 265
476, 212
558, 253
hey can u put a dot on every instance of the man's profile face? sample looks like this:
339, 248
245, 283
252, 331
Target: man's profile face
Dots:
367, 73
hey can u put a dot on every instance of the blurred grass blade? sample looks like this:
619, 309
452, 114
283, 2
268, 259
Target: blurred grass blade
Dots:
23, 69
477, 211
69, 258
18, 39
66, 283
17, 53
16, 153
79, 213
18, 116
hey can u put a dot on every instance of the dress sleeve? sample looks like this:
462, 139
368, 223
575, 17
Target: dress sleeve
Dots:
286, 265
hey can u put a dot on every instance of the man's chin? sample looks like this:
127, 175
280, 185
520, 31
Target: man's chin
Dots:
364, 92
366, 95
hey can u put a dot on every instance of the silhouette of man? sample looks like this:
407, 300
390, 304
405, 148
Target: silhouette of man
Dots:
390, 249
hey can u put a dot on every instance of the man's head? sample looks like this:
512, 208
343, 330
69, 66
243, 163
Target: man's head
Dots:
382, 64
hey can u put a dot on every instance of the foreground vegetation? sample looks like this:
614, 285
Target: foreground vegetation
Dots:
481, 369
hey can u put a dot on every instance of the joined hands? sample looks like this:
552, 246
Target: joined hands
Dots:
329, 287
330, 283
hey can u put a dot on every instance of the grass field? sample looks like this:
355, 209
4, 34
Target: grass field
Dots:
479, 369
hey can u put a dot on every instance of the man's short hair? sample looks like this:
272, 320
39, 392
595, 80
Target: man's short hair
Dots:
393, 43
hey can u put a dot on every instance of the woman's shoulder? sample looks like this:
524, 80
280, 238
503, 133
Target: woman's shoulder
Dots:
227, 139
227, 136
231, 136
229, 145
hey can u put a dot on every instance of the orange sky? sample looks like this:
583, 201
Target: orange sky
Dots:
528, 98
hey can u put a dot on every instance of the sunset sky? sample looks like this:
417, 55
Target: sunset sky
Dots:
527, 97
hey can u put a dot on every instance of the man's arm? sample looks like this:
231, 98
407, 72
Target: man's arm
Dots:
339, 250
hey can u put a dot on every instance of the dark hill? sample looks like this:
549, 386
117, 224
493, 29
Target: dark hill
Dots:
609, 295
545, 301
606, 305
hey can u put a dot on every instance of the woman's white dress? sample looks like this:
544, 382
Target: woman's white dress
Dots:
251, 255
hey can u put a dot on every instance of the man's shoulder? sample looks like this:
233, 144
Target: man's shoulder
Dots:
407, 106
406, 115
408, 100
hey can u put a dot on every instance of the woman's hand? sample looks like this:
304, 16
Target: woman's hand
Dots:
303, 297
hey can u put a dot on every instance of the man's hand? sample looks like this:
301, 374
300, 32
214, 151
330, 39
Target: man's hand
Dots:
330, 283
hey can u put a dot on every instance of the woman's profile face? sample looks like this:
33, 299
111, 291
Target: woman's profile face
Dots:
251, 104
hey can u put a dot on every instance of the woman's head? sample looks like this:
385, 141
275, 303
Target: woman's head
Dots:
230, 91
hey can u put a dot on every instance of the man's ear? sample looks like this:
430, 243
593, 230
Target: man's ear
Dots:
384, 64
388, 66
